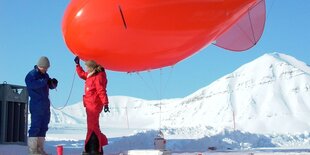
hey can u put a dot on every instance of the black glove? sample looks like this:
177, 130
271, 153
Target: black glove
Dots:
77, 60
106, 108
53, 83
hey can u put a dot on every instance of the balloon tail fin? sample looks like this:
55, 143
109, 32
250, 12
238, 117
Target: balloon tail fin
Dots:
246, 32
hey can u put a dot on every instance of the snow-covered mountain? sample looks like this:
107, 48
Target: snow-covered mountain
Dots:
271, 94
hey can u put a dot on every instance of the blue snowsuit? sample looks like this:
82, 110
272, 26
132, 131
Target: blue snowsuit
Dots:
38, 86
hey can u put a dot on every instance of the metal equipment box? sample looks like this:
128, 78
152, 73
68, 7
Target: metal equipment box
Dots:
13, 114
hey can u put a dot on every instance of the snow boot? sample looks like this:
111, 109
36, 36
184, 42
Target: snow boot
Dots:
33, 146
92, 146
41, 141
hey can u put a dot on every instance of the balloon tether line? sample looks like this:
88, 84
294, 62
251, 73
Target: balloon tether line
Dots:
68, 95
158, 93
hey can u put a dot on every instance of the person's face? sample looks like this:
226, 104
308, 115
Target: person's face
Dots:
43, 69
89, 69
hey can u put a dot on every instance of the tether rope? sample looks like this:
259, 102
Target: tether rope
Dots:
158, 92
68, 95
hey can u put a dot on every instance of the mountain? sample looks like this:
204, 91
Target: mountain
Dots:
270, 94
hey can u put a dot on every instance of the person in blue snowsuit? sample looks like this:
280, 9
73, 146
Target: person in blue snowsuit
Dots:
38, 84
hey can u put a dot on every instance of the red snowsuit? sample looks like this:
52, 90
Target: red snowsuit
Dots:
94, 99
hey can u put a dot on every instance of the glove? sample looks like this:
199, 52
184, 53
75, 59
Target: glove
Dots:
77, 60
106, 108
53, 83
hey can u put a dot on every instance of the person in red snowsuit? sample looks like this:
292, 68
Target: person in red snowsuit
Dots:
94, 100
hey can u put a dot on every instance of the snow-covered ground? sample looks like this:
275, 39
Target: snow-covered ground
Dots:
227, 143
261, 108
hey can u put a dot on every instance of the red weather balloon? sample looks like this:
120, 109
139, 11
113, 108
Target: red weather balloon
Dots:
135, 35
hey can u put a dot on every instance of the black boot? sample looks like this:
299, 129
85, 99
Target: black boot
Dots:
92, 146
85, 153
99, 153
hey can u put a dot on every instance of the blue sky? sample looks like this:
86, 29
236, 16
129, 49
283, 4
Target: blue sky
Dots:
30, 29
